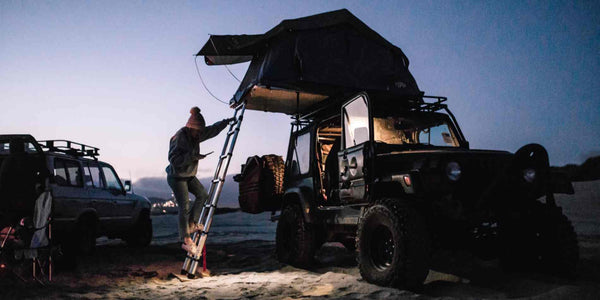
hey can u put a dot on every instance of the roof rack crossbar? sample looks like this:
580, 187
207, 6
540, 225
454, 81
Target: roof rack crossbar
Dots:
70, 148
432, 106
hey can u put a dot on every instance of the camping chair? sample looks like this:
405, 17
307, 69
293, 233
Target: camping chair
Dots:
29, 241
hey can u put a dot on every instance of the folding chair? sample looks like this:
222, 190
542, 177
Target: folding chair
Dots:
29, 242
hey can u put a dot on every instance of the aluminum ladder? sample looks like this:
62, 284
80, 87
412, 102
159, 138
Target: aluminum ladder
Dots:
191, 261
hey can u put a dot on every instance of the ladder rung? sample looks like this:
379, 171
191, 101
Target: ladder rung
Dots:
217, 180
225, 155
232, 131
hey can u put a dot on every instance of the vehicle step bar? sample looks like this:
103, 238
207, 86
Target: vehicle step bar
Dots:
208, 210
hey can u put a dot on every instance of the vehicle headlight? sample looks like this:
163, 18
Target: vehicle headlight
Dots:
529, 175
453, 171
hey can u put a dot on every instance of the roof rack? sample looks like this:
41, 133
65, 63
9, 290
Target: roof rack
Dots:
70, 148
431, 106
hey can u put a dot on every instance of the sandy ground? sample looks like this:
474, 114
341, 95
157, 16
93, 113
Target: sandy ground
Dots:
249, 269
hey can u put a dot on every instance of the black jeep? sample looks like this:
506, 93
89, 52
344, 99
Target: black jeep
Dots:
376, 165
397, 181
88, 198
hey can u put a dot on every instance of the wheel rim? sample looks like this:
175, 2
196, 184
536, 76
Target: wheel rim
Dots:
382, 247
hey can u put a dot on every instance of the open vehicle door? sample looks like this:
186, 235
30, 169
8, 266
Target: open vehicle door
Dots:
356, 133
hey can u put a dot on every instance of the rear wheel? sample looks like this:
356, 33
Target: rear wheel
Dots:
393, 245
295, 239
83, 241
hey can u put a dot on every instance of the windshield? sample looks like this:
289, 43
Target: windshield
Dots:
418, 129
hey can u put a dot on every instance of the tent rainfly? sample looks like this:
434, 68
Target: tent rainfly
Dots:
301, 62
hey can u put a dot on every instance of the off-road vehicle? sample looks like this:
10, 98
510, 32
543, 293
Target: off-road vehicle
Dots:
376, 165
88, 198
396, 182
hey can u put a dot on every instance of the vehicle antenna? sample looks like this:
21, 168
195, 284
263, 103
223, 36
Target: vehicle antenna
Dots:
130, 180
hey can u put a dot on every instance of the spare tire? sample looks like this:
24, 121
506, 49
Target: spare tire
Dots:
261, 184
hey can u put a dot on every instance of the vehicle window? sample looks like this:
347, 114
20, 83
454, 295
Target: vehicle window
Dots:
413, 130
19, 146
60, 174
356, 122
4, 150
437, 136
96, 178
30, 148
87, 177
112, 181
73, 173
301, 155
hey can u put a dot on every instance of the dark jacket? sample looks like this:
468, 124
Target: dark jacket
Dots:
184, 151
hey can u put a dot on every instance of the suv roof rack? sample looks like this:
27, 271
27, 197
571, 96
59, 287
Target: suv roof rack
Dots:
70, 148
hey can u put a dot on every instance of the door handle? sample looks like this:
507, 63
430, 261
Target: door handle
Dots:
343, 173
353, 164
346, 168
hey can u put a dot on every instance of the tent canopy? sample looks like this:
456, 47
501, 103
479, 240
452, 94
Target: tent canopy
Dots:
302, 62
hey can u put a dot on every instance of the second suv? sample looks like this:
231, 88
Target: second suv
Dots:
89, 199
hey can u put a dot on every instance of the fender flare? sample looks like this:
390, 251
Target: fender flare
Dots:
301, 196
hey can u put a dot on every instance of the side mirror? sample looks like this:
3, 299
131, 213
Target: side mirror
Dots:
127, 186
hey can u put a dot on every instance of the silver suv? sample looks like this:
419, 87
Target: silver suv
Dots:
89, 199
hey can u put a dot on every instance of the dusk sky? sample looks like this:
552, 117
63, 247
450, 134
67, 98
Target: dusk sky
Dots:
120, 75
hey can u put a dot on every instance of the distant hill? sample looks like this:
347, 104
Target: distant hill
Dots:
587, 171
157, 187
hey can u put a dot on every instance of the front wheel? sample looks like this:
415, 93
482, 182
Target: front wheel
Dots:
295, 239
141, 232
393, 245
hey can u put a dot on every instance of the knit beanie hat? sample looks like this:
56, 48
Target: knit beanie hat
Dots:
196, 120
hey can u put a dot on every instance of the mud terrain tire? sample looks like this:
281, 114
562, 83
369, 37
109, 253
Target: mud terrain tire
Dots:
545, 242
141, 232
560, 250
84, 242
295, 239
393, 245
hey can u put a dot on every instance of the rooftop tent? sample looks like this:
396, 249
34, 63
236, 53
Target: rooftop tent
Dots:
301, 62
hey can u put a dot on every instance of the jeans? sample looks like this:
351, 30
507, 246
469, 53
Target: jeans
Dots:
181, 187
